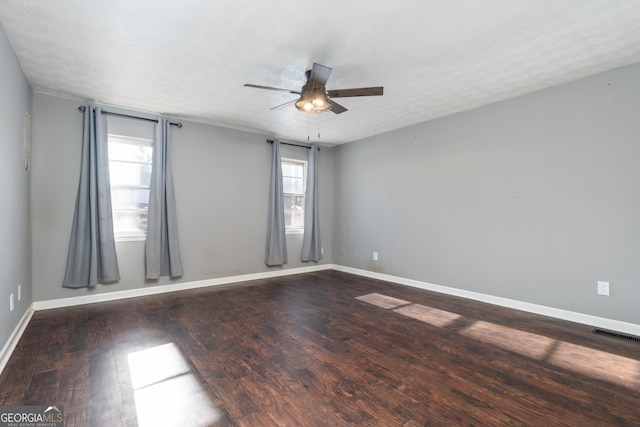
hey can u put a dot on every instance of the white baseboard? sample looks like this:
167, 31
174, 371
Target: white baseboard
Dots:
15, 336
161, 289
587, 319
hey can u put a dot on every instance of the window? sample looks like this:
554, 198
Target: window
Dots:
130, 173
294, 179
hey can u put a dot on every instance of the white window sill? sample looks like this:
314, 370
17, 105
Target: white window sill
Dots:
130, 239
294, 231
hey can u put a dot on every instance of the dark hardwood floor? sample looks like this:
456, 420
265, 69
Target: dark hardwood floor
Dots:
320, 349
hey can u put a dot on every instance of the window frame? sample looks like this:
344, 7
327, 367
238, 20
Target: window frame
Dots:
304, 164
134, 141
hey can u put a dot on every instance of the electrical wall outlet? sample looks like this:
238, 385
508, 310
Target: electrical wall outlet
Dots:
603, 288
11, 305
375, 256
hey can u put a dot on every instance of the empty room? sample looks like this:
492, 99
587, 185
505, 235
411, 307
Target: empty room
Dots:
243, 213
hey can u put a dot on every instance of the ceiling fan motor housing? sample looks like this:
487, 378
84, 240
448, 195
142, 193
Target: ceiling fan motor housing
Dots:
313, 98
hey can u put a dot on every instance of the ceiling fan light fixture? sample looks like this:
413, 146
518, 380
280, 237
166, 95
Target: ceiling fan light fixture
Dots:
313, 101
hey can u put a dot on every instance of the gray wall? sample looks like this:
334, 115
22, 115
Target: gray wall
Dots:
533, 199
221, 178
15, 233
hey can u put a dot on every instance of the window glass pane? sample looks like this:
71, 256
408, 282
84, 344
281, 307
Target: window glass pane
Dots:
293, 219
293, 180
128, 197
122, 173
288, 219
130, 222
130, 152
293, 169
298, 220
141, 196
292, 185
121, 198
293, 202
287, 169
130, 174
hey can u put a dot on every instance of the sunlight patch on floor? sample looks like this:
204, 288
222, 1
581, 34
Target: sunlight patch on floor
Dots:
430, 315
382, 301
521, 342
166, 392
155, 365
597, 364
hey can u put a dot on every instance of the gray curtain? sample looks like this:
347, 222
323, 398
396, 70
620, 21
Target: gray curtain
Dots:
276, 253
311, 245
162, 251
92, 250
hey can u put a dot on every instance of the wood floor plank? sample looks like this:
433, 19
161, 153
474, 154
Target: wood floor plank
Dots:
320, 349
42, 388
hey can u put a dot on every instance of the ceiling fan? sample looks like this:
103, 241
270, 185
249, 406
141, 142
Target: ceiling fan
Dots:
315, 98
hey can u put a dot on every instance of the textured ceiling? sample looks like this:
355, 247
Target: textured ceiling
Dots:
189, 59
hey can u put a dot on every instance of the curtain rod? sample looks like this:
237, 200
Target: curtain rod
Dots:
270, 141
82, 108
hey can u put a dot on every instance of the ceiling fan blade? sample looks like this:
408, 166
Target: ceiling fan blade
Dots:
297, 92
286, 104
336, 108
319, 75
361, 91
